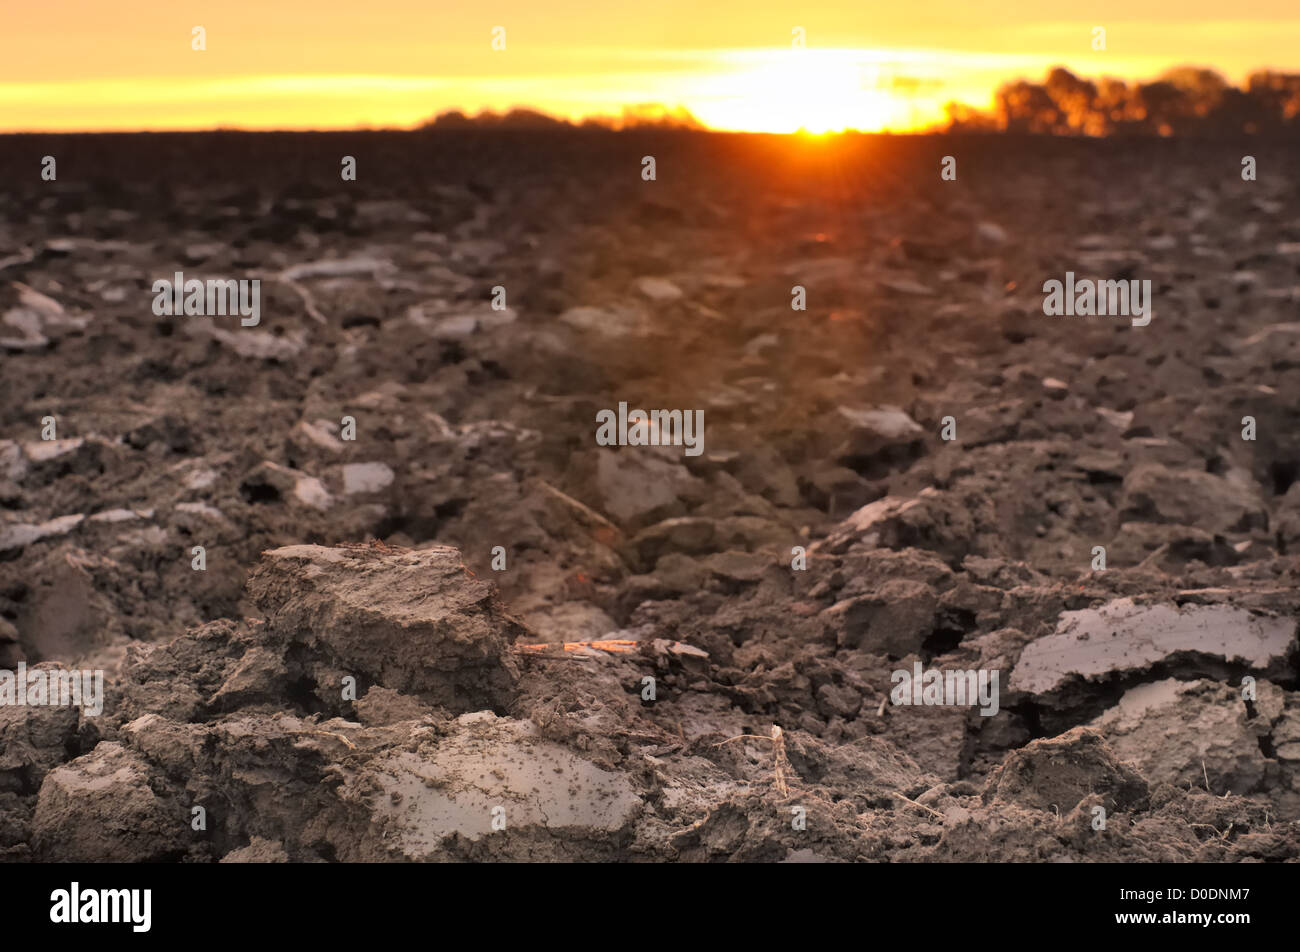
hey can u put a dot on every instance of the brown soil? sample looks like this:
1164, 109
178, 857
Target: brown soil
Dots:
346, 678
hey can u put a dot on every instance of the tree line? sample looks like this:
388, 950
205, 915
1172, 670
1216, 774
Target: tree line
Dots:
1184, 101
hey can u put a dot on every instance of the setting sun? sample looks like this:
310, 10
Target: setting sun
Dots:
813, 90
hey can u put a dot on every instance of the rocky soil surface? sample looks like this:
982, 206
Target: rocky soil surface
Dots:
433, 619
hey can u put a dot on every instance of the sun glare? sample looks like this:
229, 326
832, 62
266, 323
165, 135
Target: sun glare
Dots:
815, 91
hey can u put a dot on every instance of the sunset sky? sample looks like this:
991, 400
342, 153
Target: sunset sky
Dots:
323, 64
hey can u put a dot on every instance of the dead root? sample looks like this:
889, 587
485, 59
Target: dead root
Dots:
780, 763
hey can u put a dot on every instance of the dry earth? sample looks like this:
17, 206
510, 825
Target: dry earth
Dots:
333, 561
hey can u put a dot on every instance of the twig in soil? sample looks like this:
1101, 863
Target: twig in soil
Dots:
1222, 834
613, 646
351, 746
1255, 338
1150, 559
308, 301
1207, 778
1184, 592
24, 255
779, 761
578, 507
930, 810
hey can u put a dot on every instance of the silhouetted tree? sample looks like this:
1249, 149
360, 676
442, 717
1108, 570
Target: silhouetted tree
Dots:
1076, 102
1203, 88
1026, 107
1278, 94
1187, 100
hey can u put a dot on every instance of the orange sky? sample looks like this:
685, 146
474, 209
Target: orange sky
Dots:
294, 64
